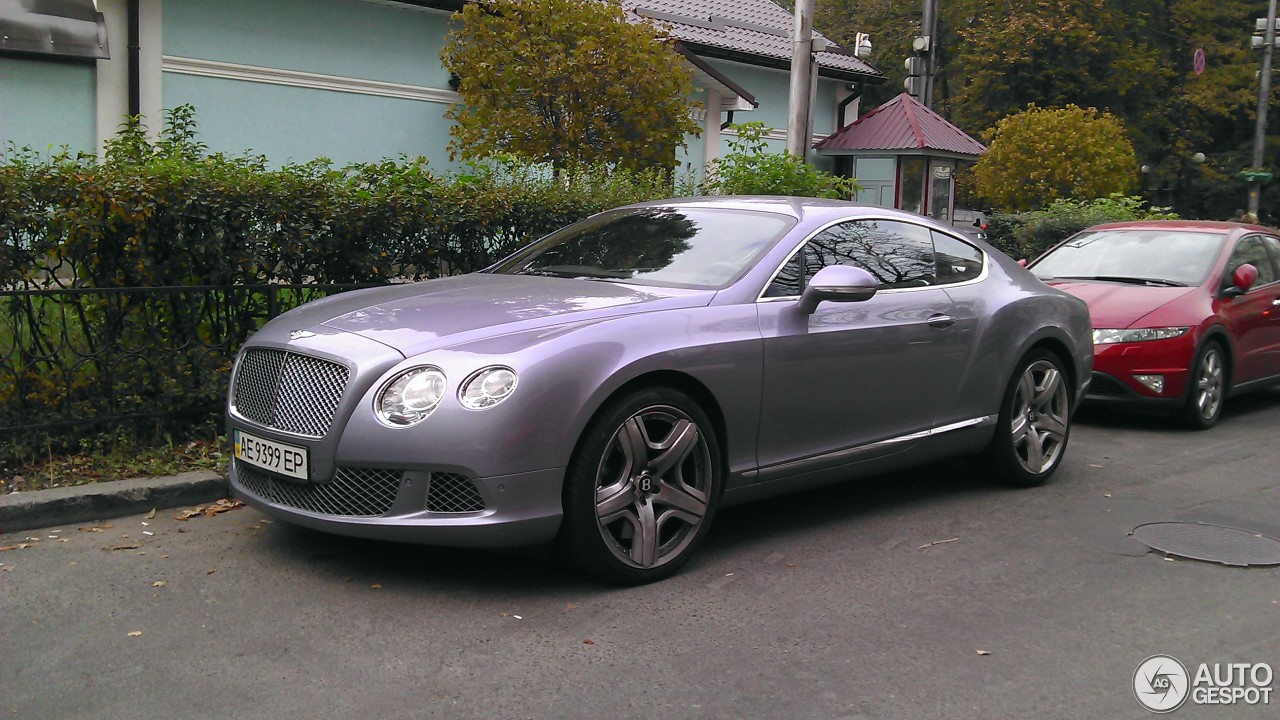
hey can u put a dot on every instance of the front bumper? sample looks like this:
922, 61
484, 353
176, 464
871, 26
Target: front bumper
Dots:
415, 506
1115, 365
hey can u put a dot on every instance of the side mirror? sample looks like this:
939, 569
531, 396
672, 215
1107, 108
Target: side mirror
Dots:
977, 222
1242, 278
1022, 262
837, 283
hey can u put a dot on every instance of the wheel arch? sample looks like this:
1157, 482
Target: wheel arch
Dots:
677, 380
1223, 338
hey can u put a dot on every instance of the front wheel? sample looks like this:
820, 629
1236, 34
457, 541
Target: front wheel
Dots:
641, 489
1207, 379
1034, 422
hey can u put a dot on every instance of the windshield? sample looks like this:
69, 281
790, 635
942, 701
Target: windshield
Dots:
679, 247
1156, 257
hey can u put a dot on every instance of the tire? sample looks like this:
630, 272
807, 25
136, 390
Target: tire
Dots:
635, 522
1206, 387
1034, 422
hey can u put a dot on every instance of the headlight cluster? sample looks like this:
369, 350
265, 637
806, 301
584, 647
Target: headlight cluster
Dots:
1109, 336
411, 396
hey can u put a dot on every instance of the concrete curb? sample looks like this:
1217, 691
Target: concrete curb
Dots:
99, 501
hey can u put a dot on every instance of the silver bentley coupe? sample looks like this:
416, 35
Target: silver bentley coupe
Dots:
611, 386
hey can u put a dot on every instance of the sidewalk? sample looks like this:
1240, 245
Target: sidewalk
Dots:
99, 501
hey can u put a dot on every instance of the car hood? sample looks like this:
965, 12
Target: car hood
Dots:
415, 317
1119, 305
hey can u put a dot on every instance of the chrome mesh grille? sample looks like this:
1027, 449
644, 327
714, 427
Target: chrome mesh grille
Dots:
453, 493
353, 492
290, 392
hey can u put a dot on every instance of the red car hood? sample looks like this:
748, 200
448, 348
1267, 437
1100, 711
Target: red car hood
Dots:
1119, 305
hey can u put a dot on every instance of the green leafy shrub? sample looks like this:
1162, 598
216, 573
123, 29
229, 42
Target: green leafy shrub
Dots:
1028, 234
749, 168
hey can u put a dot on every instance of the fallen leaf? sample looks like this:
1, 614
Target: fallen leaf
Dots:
164, 557
96, 528
791, 564
19, 546
376, 586
982, 652
130, 546
588, 641
571, 606
7, 568
210, 571
1092, 465
151, 515
209, 509
1106, 494
135, 633
937, 542
159, 583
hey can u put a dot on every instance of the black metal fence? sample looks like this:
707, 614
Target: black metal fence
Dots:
75, 362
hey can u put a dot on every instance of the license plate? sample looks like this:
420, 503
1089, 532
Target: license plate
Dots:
289, 460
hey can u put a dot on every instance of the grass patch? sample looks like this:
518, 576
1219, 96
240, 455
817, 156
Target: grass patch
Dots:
120, 463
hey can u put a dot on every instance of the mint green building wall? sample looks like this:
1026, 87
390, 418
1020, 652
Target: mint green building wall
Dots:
47, 104
343, 38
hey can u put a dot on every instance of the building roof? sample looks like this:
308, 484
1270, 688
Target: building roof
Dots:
753, 31
904, 126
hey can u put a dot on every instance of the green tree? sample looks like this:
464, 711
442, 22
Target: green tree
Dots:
1042, 154
564, 81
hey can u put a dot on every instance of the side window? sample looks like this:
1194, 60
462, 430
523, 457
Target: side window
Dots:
1273, 244
956, 261
1252, 250
896, 254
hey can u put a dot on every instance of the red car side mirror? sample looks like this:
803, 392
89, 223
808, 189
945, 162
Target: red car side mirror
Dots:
1023, 262
1244, 277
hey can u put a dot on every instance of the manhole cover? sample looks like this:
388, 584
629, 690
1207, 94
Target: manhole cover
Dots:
1213, 543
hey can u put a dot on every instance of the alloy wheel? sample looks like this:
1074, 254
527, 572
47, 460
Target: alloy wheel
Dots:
1209, 383
1039, 417
652, 488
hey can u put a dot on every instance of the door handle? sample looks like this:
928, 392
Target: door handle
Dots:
942, 321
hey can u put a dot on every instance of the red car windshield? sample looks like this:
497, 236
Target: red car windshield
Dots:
1155, 257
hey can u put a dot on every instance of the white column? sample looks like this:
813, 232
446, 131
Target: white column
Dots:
113, 74
711, 126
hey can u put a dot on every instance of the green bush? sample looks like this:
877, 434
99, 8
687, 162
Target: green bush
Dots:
1028, 234
749, 168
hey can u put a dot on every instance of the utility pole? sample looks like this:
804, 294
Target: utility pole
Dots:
1264, 96
798, 100
929, 29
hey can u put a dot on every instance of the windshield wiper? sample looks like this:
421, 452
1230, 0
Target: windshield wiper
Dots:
1124, 279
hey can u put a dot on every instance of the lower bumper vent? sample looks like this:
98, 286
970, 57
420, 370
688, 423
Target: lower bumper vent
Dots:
353, 492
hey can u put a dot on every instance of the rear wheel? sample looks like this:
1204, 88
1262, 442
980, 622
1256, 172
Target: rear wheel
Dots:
1207, 387
641, 489
1034, 423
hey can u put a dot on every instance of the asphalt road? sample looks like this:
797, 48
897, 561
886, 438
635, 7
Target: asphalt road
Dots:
830, 604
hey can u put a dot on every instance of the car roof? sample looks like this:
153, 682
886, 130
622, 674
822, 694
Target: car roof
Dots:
1213, 226
796, 207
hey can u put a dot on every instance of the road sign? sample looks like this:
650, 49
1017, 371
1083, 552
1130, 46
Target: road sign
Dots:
1197, 60
1259, 177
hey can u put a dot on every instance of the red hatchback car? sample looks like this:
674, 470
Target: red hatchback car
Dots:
1185, 313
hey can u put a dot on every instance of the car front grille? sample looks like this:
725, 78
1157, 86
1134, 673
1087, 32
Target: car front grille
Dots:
1107, 386
453, 493
292, 393
353, 492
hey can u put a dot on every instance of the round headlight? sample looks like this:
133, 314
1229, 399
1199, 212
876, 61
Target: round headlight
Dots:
410, 396
487, 388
